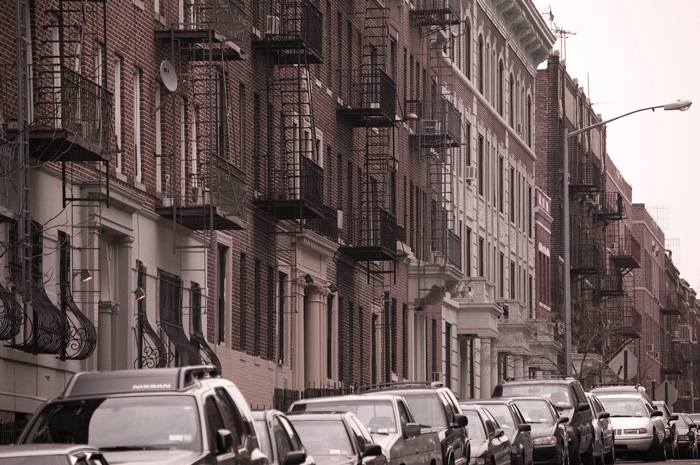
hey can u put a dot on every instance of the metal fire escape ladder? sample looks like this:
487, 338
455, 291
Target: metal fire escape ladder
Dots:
439, 132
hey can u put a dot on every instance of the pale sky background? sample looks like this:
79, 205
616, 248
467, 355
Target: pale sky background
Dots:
630, 54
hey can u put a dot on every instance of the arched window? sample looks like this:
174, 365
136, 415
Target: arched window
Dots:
529, 121
481, 64
511, 101
500, 87
467, 63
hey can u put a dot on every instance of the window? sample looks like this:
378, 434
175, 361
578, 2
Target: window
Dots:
501, 277
529, 211
243, 304
481, 74
404, 339
329, 335
375, 360
481, 256
137, 124
448, 355
511, 101
467, 49
257, 130
501, 187
513, 279
281, 297
221, 294
482, 166
329, 35
393, 334
469, 252
512, 195
433, 346
242, 110
257, 308
392, 58
214, 422
118, 110
392, 191
159, 141
500, 87
529, 121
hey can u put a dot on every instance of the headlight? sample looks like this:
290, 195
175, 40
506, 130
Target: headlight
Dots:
668, 432
545, 440
635, 431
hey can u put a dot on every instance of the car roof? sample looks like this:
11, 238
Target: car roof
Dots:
539, 381
315, 416
137, 381
30, 450
348, 398
405, 385
617, 395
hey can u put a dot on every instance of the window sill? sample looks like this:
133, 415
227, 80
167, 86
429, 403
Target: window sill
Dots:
139, 4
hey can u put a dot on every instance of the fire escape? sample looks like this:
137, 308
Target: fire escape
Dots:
64, 119
207, 192
438, 133
371, 105
675, 313
293, 41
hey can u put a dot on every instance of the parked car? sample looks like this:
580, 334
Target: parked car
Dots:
180, 415
337, 438
671, 438
622, 389
687, 437
51, 454
695, 417
279, 440
434, 405
489, 443
549, 437
570, 400
512, 422
389, 420
639, 428
604, 433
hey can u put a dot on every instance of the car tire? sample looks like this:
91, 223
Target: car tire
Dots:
609, 458
662, 452
653, 452
574, 455
589, 457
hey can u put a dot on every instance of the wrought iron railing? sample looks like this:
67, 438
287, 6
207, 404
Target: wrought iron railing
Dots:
226, 17
82, 335
587, 259
672, 362
311, 181
11, 315
373, 90
152, 352
227, 188
328, 225
387, 224
312, 27
437, 5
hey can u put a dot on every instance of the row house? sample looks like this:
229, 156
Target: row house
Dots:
309, 195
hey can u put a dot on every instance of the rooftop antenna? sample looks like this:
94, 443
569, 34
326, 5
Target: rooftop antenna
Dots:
562, 34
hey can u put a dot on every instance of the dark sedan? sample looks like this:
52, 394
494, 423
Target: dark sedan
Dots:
511, 420
51, 454
337, 439
489, 443
549, 438
687, 439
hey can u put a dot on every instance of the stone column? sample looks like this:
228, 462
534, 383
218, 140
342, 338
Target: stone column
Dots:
485, 358
105, 354
519, 366
297, 335
313, 335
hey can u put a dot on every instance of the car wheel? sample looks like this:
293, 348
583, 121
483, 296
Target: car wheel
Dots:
662, 452
574, 455
589, 457
599, 458
609, 458
653, 452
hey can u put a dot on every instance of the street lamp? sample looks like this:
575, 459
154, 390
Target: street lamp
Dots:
681, 105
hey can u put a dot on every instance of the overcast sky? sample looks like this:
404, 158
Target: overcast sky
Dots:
630, 54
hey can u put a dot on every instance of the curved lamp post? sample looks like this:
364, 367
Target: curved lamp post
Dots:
680, 105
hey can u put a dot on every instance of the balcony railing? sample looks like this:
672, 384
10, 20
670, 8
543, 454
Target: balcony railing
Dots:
387, 223
587, 259
311, 181
294, 33
327, 225
673, 362
369, 98
73, 117
611, 207
625, 252
436, 12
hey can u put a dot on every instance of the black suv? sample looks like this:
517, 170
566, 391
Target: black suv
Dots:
569, 398
435, 406
181, 415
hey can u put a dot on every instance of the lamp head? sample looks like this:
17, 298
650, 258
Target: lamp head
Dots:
680, 105
332, 288
85, 275
139, 293
308, 279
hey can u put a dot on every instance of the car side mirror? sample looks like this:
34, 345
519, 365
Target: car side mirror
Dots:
582, 407
224, 441
295, 457
372, 450
602, 415
411, 430
563, 420
459, 421
673, 418
657, 413
524, 428
498, 433
692, 425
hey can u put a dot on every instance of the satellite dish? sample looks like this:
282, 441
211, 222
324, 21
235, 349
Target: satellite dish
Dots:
168, 75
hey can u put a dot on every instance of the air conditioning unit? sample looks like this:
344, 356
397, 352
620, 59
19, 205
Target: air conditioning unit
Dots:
650, 347
340, 220
656, 355
273, 25
675, 334
470, 173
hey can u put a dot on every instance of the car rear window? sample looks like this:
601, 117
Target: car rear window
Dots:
324, 438
557, 393
377, 415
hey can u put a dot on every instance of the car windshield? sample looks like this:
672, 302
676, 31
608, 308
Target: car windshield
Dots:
557, 393
324, 438
427, 409
35, 460
624, 407
535, 411
474, 426
263, 437
502, 415
377, 415
683, 420
121, 423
